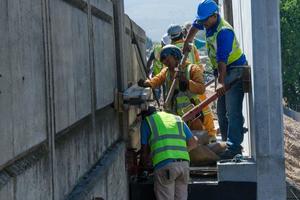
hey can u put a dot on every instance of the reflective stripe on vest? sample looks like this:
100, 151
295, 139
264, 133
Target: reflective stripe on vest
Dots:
211, 43
157, 65
192, 56
183, 99
167, 138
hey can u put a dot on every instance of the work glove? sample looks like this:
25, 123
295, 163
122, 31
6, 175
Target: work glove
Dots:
183, 85
141, 83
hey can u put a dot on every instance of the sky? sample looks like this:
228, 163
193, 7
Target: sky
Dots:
155, 16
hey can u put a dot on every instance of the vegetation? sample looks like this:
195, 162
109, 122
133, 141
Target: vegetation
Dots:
290, 43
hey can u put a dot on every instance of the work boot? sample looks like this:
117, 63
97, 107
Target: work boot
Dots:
212, 139
228, 154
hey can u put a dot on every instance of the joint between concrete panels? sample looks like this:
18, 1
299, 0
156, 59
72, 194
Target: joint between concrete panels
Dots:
83, 5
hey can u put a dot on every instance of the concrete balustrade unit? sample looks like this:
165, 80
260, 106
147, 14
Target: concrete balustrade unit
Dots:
257, 27
22, 97
59, 69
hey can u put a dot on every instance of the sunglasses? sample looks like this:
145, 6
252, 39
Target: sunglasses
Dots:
198, 21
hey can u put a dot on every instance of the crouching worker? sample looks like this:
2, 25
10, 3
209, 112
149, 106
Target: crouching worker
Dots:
168, 139
191, 83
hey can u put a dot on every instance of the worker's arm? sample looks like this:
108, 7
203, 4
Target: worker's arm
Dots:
191, 141
221, 79
157, 80
145, 156
189, 39
224, 42
197, 55
145, 149
196, 83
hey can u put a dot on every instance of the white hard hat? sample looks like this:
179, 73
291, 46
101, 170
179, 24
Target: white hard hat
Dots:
166, 39
174, 31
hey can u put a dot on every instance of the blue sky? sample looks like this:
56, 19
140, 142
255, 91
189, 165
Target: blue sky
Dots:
154, 16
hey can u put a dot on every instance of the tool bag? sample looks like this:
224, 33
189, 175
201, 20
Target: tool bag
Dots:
247, 79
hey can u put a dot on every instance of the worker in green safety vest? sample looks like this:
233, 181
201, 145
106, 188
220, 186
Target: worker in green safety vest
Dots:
229, 60
176, 34
168, 140
153, 64
190, 84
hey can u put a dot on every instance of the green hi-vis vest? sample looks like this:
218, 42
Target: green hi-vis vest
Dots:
157, 65
183, 100
211, 43
167, 138
192, 56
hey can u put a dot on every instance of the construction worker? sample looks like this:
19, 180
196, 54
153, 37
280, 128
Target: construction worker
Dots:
168, 139
154, 60
176, 34
177, 38
227, 57
190, 85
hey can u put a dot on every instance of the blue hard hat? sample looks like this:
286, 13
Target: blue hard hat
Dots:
170, 50
206, 9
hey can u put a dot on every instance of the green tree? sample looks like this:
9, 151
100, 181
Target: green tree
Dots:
290, 45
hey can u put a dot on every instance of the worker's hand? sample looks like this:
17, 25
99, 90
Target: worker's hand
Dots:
142, 83
186, 47
183, 85
221, 90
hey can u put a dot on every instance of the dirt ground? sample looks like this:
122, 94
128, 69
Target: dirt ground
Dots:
292, 150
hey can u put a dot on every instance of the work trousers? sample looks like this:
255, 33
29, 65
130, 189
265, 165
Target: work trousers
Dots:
230, 111
171, 181
208, 119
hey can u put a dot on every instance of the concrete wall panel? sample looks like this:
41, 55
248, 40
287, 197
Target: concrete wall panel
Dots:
117, 179
71, 63
34, 183
78, 151
105, 6
22, 77
38, 46
31, 185
7, 192
133, 60
107, 133
72, 159
105, 62
113, 185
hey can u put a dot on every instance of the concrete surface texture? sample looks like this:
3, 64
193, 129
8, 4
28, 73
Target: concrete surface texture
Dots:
60, 65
